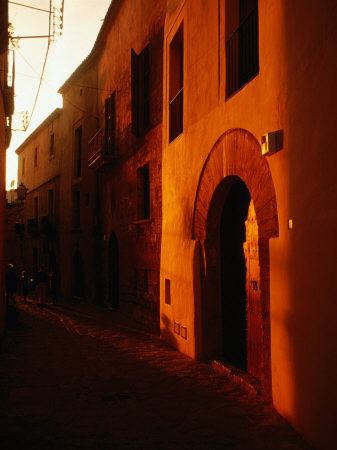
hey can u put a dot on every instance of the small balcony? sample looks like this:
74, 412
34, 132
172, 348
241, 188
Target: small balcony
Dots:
176, 115
100, 153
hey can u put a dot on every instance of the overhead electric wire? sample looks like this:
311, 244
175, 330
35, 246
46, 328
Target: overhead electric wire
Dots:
27, 6
43, 68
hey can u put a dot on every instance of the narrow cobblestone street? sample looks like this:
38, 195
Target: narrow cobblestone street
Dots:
77, 376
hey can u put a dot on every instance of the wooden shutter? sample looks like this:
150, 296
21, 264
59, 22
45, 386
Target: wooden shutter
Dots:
135, 92
106, 123
156, 78
110, 123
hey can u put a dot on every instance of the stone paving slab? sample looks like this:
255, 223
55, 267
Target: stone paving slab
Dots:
78, 376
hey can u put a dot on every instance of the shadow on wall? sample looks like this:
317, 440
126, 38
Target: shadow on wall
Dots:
167, 331
198, 289
310, 324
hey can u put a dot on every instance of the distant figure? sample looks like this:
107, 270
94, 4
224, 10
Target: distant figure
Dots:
42, 285
24, 285
53, 284
11, 283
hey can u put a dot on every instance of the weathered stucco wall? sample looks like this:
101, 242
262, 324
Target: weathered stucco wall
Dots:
135, 25
294, 92
80, 99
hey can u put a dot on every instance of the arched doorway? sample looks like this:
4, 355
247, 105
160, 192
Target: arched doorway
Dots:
240, 281
233, 275
113, 269
235, 214
78, 274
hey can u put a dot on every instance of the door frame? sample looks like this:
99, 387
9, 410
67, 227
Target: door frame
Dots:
237, 153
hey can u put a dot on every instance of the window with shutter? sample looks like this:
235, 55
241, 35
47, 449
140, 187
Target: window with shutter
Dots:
140, 91
78, 153
143, 192
176, 85
110, 124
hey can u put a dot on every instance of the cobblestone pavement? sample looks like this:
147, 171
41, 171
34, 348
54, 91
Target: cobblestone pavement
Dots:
77, 376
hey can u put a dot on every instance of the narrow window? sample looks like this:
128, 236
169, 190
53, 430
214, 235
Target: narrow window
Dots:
51, 203
23, 166
110, 123
143, 192
36, 208
176, 85
146, 280
35, 157
78, 152
135, 278
51, 146
242, 43
77, 209
140, 90
167, 291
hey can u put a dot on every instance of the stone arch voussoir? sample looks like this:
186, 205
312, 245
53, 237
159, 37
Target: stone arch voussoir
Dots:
237, 152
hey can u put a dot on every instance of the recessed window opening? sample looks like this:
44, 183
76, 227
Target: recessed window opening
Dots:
78, 152
35, 157
242, 43
176, 84
167, 291
146, 280
143, 192
140, 87
51, 146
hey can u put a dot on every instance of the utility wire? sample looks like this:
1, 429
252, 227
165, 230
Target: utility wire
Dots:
27, 6
43, 69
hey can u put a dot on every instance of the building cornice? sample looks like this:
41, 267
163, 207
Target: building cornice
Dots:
56, 113
97, 48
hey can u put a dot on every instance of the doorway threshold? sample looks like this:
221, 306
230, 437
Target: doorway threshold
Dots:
238, 376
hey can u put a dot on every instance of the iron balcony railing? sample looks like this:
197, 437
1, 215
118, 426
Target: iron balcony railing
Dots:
101, 152
96, 144
176, 115
242, 54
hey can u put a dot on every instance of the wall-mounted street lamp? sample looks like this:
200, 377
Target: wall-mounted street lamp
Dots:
21, 193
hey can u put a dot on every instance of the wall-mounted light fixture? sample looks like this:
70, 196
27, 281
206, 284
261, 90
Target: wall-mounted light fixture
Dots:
21, 192
271, 142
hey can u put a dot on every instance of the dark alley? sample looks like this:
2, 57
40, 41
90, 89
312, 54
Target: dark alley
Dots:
78, 376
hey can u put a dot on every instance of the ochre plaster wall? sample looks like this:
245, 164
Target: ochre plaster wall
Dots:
294, 92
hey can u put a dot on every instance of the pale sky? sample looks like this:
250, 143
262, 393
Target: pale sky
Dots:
82, 22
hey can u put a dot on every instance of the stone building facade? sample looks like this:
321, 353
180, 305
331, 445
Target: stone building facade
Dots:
106, 169
124, 153
249, 189
33, 231
197, 188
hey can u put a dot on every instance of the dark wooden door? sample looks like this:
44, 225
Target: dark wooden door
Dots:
254, 329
